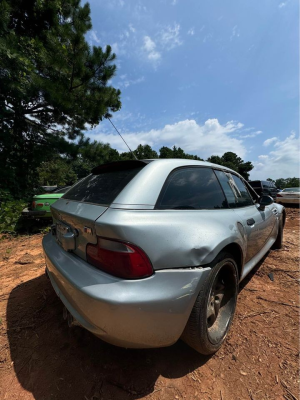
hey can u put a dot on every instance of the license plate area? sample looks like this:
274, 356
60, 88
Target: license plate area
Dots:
65, 237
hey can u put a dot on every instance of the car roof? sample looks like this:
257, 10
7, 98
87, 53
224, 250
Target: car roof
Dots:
145, 187
166, 162
186, 162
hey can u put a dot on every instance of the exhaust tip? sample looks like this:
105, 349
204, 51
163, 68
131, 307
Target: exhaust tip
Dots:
70, 319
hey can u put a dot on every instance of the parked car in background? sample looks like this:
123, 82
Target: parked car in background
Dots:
289, 196
144, 252
264, 188
49, 189
40, 206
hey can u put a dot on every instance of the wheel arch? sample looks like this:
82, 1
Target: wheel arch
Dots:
237, 253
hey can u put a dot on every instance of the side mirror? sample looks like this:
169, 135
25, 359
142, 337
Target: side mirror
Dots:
265, 201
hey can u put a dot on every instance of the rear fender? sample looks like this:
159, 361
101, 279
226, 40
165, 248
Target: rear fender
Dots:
174, 238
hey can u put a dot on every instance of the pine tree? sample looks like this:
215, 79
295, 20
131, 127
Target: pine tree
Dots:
52, 83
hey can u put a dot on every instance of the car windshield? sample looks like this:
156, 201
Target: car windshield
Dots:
291, 190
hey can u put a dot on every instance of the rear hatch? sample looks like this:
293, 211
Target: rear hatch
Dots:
75, 213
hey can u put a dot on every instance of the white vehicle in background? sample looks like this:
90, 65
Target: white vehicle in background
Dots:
288, 196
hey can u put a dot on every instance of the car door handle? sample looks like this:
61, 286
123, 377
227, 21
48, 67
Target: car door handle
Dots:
250, 221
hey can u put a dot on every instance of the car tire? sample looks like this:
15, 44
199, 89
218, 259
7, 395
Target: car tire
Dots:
279, 240
213, 311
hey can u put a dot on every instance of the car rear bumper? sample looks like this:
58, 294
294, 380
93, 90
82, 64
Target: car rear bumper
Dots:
287, 200
33, 213
149, 312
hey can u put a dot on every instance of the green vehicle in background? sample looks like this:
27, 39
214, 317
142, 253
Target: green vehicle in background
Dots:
40, 206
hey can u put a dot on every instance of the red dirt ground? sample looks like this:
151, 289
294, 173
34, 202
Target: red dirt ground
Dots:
41, 358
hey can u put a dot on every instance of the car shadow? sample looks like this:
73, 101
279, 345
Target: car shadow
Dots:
54, 361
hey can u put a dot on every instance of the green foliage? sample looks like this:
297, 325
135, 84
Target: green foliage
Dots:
82, 167
231, 160
56, 172
145, 152
176, 152
65, 171
52, 84
287, 183
96, 153
10, 212
141, 152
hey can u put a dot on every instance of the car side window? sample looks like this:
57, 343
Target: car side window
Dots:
235, 191
193, 188
224, 181
244, 199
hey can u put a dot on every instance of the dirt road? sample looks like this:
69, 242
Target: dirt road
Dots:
41, 358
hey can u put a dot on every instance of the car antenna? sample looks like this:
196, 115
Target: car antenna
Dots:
122, 138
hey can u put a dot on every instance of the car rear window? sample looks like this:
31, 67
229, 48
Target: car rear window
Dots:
192, 189
102, 187
255, 184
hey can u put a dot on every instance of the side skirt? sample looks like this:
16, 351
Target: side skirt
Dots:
251, 263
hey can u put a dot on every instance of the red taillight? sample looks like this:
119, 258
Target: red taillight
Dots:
279, 195
33, 204
117, 258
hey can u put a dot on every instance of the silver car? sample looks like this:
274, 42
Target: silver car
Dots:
145, 252
289, 196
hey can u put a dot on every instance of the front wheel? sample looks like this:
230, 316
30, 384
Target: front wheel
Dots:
214, 308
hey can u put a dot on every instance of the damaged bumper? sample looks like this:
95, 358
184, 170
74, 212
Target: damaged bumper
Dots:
143, 313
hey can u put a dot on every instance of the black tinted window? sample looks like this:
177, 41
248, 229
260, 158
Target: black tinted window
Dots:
101, 188
192, 188
255, 184
244, 198
224, 181
236, 193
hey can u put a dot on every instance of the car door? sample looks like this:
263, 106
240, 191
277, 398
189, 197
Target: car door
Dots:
258, 224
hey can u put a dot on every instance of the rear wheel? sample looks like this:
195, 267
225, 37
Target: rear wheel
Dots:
279, 240
214, 308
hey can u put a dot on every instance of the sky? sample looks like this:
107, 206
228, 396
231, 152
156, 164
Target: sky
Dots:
208, 76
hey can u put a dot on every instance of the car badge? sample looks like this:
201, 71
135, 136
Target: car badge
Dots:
88, 230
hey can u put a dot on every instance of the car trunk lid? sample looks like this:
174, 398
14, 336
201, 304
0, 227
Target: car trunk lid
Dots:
76, 212
76, 221
291, 194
